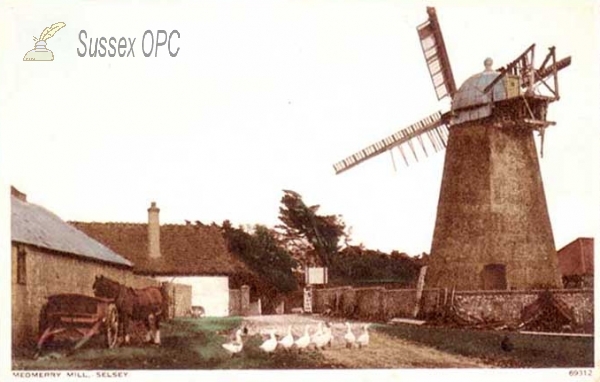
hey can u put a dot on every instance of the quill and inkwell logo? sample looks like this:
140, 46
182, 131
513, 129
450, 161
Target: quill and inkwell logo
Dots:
41, 52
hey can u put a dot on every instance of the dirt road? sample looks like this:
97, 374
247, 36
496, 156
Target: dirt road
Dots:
383, 351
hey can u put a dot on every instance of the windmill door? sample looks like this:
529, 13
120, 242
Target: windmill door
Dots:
494, 277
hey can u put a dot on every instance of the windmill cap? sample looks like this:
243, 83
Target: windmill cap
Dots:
471, 91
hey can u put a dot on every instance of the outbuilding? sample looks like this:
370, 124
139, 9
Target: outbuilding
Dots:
50, 256
576, 263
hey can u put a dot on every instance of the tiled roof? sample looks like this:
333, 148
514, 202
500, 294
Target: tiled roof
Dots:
185, 249
35, 225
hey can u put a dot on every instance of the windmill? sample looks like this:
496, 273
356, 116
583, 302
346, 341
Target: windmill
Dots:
492, 227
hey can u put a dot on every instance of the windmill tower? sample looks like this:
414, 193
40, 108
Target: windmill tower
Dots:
492, 228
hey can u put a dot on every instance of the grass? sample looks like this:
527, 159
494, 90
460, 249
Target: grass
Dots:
530, 351
188, 343
191, 343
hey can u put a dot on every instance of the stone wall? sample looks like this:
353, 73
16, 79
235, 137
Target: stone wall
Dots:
322, 298
507, 305
49, 273
377, 304
494, 306
399, 303
582, 305
369, 303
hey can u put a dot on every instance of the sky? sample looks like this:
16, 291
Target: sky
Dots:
265, 98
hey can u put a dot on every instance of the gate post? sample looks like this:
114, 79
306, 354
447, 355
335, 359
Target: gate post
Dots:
420, 286
245, 299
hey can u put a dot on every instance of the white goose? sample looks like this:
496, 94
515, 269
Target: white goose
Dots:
318, 333
349, 336
304, 341
288, 340
269, 345
329, 334
324, 338
363, 339
236, 346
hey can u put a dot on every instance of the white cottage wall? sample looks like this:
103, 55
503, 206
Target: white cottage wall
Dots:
210, 292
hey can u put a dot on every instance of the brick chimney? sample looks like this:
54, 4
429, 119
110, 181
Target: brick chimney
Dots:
153, 231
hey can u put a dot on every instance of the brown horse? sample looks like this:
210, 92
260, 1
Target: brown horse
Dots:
148, 304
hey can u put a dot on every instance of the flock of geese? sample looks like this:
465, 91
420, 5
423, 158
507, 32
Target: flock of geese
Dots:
322, 337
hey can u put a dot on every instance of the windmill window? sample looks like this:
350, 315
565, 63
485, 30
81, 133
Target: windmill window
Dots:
21, 266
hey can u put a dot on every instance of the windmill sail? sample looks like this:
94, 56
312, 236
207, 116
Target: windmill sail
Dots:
550, 70
434, 49
434, 127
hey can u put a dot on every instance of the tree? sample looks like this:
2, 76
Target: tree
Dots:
263, 253
356, 264
310, 236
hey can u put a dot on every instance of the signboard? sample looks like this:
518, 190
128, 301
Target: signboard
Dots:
308, 299
315, 275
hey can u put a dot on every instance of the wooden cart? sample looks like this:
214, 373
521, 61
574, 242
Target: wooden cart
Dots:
78, 316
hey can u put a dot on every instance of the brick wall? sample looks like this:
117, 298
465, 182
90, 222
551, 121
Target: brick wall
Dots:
50, 273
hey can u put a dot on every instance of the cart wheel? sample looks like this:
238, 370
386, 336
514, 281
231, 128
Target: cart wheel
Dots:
43, 319
43, 324
112, 326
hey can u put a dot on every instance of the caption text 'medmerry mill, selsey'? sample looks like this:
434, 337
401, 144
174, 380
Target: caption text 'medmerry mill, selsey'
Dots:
70, 374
